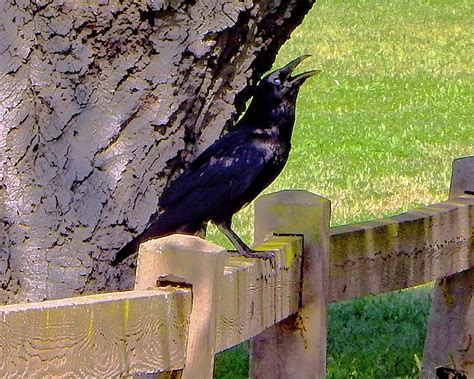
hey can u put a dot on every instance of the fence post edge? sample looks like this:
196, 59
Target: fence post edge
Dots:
296, 346
201, 264
450, 333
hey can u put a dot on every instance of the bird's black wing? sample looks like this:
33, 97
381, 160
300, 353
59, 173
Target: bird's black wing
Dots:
224, 171
220, 181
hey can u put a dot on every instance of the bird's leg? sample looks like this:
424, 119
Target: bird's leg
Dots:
242, 248
201, 232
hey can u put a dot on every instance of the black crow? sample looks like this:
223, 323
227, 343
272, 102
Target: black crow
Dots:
233, 170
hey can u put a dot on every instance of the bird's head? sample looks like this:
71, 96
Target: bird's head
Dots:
275, 95
280, 84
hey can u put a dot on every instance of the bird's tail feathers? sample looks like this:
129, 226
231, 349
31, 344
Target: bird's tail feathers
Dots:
160, 228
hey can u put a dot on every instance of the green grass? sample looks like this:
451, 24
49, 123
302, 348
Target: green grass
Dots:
378, 336
370, 337
376, 133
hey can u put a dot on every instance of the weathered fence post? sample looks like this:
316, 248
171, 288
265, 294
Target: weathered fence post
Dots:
296, 346
194, 261
450, 337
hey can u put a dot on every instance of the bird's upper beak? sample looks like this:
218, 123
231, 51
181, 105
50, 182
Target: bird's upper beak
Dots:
299, 79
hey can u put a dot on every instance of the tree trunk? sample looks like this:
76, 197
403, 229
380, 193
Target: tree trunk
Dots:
102, 102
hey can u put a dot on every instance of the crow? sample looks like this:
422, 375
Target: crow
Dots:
233, 170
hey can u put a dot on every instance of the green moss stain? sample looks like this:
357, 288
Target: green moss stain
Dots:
288, 245
90, 327
126, 313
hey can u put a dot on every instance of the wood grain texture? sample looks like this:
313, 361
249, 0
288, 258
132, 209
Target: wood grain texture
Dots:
462, 179
146, 331
450, 335
303, 334
95, 336
450, 338
256, 296
192, 261
403, 251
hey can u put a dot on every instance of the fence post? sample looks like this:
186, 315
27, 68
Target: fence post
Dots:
296, 346
194, 261
450, 338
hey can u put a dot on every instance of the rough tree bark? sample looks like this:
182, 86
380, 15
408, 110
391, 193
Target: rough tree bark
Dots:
102, 102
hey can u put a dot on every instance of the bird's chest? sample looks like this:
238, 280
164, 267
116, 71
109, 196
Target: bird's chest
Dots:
275, 152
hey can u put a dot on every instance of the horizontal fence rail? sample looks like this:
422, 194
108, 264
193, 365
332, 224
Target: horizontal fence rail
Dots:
402, 251
102, 335
145, 331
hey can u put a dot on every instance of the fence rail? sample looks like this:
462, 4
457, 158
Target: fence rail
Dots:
95, 336
402, 251
207, 301
145, 331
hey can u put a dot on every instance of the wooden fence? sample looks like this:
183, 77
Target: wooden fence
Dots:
191, 300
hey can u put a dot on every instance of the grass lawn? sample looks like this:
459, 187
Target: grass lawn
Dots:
376, 133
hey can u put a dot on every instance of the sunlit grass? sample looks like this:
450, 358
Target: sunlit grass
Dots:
377, 130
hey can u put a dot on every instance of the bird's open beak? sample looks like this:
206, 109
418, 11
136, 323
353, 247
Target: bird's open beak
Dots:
300, 78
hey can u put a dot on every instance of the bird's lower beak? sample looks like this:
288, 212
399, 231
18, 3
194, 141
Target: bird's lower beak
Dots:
300, 78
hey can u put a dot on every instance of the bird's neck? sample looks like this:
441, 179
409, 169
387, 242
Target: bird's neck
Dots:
281, 116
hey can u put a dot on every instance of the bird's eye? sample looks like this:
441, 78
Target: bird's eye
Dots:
277, 81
